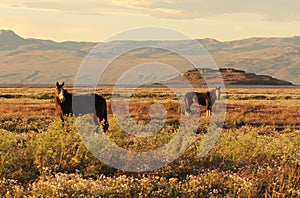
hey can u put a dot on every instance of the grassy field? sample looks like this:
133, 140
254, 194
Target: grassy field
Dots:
257, 153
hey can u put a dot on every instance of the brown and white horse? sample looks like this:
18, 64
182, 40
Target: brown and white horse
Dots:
85, 104
206, 99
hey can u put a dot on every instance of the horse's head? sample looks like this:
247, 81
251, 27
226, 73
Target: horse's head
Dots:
218, 93
60, 92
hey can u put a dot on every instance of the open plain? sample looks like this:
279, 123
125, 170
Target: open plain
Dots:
257, 153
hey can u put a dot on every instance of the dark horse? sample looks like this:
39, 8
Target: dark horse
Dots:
63, 103
206, 99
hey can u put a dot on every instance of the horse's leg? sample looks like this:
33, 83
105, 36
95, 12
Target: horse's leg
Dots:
187, 106
208, 112
105, 124
208, 107
61, 116
96, 122
187, 110
102, 120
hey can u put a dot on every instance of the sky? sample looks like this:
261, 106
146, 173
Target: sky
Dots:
97, 20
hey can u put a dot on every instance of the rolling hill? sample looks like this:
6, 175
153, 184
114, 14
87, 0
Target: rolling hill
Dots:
36, 61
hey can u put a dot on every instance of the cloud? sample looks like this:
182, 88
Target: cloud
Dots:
89, 7
277, 10
274, 10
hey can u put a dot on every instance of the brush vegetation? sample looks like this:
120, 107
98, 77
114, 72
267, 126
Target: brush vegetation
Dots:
257, 153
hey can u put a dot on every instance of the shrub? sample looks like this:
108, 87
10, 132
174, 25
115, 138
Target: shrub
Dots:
16, 156
42, 96
60, 148
246, 145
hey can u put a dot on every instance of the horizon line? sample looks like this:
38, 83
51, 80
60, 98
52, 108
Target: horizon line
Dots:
205, 38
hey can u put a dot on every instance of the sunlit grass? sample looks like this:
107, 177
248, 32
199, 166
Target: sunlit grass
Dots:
242, 163
256, 155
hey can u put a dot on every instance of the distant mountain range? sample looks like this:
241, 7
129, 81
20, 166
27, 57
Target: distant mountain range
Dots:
36, 61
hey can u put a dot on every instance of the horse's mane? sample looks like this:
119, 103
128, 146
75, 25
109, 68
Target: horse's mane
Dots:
66, 91
68, 94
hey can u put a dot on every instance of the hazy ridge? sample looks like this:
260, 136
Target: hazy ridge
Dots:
36, 61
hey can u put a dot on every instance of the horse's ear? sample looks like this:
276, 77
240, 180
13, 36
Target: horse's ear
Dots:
57, 84
63, 84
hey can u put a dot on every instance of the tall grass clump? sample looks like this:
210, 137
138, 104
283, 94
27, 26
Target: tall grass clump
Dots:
55, 147
246, 144
60, 149
16, 156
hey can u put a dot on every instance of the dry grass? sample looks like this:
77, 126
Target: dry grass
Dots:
27, 112
257, 153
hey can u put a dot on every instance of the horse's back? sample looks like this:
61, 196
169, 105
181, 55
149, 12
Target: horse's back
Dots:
88, 103
201, 98
189, 95
88, 97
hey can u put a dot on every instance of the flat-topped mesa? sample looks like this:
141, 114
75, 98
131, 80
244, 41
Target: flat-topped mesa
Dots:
209, 70
231, 70
230, 76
